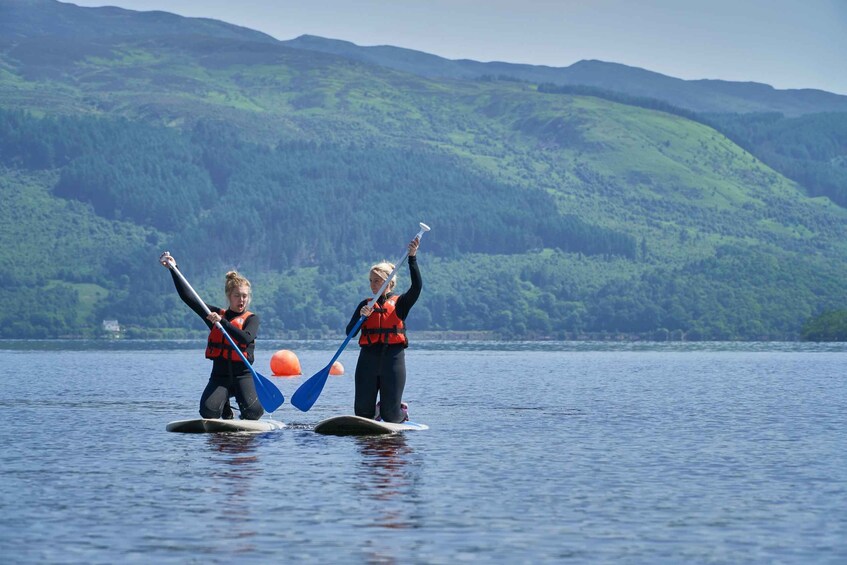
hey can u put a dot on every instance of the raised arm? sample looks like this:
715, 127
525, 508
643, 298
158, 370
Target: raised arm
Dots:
168, 261
408, 298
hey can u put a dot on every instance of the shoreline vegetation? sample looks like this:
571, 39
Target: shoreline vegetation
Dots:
829, 326
445, 335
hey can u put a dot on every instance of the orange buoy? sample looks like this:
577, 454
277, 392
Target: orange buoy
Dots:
284, 363
336, 369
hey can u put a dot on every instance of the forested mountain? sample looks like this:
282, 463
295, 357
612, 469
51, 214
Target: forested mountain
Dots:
712, 96
554, 215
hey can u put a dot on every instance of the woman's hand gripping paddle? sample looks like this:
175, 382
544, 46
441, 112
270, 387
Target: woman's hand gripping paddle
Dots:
270, 396
307, 393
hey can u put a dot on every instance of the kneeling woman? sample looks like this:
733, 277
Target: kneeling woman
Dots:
230, 376
381, 368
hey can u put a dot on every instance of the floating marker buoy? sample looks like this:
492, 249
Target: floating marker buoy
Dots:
336, 369
284, 363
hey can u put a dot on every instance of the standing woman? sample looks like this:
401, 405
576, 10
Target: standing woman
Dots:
230, 376
381, 368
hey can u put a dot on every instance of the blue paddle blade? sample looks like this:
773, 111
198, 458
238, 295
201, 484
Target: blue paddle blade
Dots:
269, 395
306, 395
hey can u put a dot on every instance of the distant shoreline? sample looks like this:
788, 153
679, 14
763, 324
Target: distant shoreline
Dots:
424, 336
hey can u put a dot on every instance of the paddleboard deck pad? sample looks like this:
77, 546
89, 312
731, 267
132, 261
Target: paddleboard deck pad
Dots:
216, 425
358, 426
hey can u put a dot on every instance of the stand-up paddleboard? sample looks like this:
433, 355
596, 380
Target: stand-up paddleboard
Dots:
358, 426
217, 425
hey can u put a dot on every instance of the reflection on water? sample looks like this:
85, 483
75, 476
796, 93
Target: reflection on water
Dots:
238, 451
389, 476
234, 466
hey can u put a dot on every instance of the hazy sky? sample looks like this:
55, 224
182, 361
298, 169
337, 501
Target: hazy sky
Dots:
784, 43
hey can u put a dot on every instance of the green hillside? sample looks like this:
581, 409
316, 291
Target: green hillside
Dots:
553, 215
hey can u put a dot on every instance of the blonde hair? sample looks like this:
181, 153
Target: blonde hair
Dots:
235, 280
384, 269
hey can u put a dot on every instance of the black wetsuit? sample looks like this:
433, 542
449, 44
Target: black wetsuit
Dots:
228, 378
381, 367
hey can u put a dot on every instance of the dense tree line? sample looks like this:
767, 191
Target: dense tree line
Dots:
735, 295
125, 169
829, 326
119, 179
358, 198
49, 312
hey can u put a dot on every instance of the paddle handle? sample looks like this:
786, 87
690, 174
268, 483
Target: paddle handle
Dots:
424, 228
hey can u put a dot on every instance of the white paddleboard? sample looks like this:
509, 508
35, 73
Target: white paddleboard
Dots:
217, 425
358, 426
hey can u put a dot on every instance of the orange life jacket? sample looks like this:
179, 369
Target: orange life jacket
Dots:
219, 346
384, 326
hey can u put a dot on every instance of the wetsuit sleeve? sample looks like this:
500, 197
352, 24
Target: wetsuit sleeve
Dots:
355, 317
408, 298
245, 335
189, 299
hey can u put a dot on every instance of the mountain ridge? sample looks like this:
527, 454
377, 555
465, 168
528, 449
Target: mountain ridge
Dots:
697, 95
51, 17
33, 18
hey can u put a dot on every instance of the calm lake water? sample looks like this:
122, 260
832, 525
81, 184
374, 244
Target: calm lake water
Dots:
539, 452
